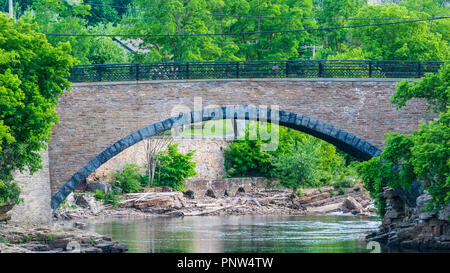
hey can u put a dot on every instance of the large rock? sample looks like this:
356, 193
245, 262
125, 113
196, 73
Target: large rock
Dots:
444, 214
421, 204
351, 204
99, 185
405, 227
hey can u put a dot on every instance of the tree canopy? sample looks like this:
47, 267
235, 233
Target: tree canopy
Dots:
426, 40
32, 75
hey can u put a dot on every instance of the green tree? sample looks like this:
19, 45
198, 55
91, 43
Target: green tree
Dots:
422, 155
299, 168
179, 22
408, 41
174, 168
245, 157
334, 39
272, 46
53, 16
103, 12
103, 50
434, 88
32, 75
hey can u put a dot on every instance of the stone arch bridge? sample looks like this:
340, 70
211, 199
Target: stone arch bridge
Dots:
98, 120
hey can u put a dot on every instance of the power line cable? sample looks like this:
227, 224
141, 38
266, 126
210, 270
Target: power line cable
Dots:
240, 15
246, 33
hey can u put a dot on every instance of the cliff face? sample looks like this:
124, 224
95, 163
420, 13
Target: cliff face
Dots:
409, 228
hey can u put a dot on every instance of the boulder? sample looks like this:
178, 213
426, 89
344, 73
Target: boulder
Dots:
81, 201
99, 185
351, 204
444, 214
421, 203
189, 194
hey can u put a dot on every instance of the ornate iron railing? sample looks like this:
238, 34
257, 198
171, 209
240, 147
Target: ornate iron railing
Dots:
251, 69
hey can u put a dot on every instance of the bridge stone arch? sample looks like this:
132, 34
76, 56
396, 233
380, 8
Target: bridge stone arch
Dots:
346, 141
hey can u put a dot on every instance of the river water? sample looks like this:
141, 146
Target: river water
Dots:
267, 233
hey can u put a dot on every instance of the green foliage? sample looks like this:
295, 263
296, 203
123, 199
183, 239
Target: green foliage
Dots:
434, 88
128, 179
334, 39
175, 167
298, 169
32, 75
422, 155
236, 47
296, 150
375, 175
9, 193
411, 41
54, 16
110, 198
430, 158
245, 158
102, 14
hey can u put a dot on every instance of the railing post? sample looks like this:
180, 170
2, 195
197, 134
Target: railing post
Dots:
237, 70
137, 72
418, 69
99, 73
82, 75
187, 70
370, 69
287, 69
320, 69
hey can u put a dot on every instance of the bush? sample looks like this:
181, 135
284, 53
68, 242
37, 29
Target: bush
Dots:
9, 193
128, 179
244, 158
110, 198
175, 167
298, 169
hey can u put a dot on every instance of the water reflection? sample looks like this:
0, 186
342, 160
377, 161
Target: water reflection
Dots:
325, 233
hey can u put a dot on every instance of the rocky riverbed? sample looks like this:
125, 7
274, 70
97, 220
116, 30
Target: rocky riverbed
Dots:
353, 200
57, 238
70, 236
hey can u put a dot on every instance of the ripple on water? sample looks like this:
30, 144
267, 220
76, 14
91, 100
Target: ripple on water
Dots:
323, 233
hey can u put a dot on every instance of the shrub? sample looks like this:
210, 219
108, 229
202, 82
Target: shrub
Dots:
128, 179
244, 158
298, 169
110, 198
9, 193
174, 168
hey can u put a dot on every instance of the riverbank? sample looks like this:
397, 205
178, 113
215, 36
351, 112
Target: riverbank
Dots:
322, 200
57, 238
67, 234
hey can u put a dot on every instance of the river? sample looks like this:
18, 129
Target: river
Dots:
267, 233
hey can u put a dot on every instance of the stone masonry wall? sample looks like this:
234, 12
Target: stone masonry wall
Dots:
35, 190
208, 155
224, 186
95, 115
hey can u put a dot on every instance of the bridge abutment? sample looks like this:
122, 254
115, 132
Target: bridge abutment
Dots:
36, 194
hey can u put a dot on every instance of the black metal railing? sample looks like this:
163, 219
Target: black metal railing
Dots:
251, 69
